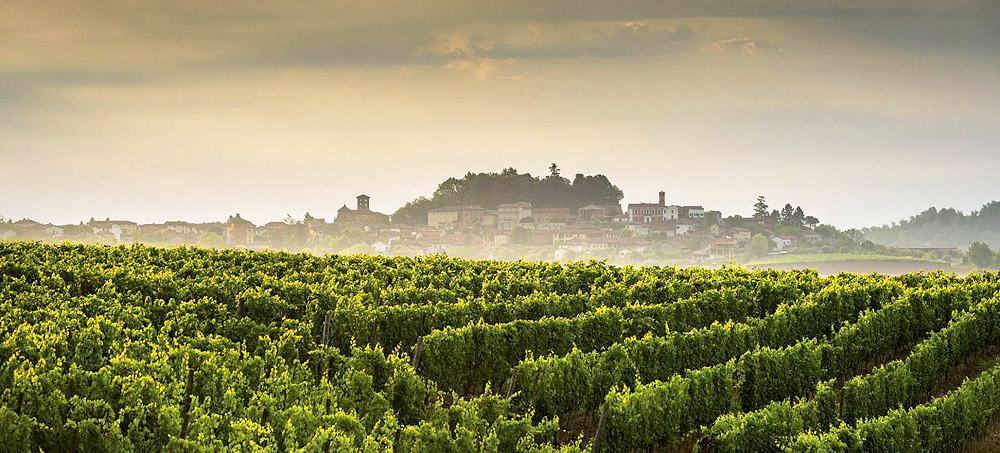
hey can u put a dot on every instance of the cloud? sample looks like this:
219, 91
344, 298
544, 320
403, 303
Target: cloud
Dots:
463, 52
744, 45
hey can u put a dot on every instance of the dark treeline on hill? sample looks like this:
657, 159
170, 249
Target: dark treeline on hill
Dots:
942, 227
490, 190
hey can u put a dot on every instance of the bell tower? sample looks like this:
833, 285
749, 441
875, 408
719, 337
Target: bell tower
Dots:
363, 202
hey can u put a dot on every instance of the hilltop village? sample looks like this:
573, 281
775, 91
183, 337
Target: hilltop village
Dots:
642, 232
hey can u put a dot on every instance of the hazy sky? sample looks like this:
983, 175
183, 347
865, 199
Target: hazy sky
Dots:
861, 112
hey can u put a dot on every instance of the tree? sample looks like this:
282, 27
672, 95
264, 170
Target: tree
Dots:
520, 235
554, 170
798, 217
760, 208
712, 217
211, 240
759, 245
627, 233
855, 236
787, 214
811, 221
980, 255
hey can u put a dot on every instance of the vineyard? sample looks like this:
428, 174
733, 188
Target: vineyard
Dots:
186, 349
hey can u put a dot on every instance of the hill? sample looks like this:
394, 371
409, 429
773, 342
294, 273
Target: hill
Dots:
490, 190
941, 228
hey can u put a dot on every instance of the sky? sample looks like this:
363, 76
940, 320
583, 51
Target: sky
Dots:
861, 112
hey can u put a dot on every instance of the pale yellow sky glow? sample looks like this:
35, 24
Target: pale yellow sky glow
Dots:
196, 110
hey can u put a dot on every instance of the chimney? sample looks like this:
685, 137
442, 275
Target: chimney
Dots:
663, 198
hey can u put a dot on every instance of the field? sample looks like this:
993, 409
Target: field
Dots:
834, 263
186, 349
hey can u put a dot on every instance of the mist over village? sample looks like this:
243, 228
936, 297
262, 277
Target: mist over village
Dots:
514, 216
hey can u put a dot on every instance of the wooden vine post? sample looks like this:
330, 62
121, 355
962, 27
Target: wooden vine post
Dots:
513, 379
186, 405
326, 330
416, 352
600, 427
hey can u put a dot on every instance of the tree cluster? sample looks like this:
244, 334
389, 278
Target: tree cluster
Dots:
788, 216
942, 227
490, 190
980, 255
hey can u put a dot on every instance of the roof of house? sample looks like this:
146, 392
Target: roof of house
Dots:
457, 208
569, 229
519, 204
550, 210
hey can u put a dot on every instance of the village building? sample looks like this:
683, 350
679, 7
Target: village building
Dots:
180, 227
510, 215
363, 216
550, 216
682, 228
591, 213
490, 219
781, 242
811, 236
723, 247
455, 217
638, 229
53, 231
692, 212
653, 212
25, 224
240, 232
571, 232
113, 228
742, 235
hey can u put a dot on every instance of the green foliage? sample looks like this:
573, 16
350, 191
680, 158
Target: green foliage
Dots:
981, 256
759, 245
520, 236
490, 190
942, 227
187, 349
938, 425
211, 240
760, 208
